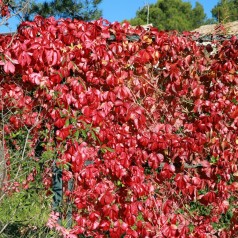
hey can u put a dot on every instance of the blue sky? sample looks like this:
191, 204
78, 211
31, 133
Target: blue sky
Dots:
119, 10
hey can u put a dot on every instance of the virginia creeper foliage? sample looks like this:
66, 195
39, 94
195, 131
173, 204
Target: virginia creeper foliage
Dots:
156, 117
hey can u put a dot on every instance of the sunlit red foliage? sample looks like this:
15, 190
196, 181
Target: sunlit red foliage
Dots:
4, 10
157, 116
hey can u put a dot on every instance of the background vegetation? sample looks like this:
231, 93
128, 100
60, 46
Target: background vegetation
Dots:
25, 213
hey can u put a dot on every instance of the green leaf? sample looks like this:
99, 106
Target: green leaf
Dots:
109, 149
46, 155
76, 134
84, 134
93, 135
73, 120
214, 159
67, 123
14, 135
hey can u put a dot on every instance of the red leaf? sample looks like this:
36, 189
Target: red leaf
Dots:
234, 114
63, 133
208, 198
107, 198
9, 67
181, 181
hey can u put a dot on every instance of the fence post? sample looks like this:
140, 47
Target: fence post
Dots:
57, 190
69, 219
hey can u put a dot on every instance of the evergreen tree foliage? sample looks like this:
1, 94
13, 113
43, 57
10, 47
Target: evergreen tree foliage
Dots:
226, 10
171, 15
80, 9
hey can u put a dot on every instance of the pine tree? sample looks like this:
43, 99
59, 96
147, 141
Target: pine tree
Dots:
225, 11
80, 9
171, 15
